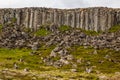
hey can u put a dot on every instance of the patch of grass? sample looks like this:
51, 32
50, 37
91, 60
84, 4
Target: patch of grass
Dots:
34, 62
1, 27
114, 29
42, 32
64, 28
90, 32
86, 54
25, 29
14, 20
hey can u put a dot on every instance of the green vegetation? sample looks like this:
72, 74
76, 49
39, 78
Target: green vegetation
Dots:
9, 56
42, 32
92, 33
14, 20
27, 30
114, 29
36, 65
86, 54
64, 28
1, 27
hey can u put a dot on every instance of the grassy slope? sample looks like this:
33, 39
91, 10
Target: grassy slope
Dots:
87, 55
34, 62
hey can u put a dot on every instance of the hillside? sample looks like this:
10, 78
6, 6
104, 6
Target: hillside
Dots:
53, 52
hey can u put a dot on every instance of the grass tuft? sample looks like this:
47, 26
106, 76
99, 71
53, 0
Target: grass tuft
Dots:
42, 32
114, 29
64, 28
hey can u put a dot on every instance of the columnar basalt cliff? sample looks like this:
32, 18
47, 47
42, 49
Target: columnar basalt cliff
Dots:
96, 19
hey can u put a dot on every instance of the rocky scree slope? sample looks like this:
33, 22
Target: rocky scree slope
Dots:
62, 38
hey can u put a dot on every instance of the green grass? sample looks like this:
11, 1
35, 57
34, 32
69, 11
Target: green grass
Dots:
114, 29
64, 28
9, 56
14, 20
92, 33
1, 27
34, 62
86, 54
42, 32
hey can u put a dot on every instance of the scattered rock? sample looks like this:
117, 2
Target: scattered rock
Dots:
73, 70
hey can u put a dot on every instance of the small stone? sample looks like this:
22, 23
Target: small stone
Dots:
73, 70
53, 54
64, 61
16, 66
26, 69
95, 52
89, 70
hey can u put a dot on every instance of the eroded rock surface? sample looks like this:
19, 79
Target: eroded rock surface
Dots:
97, 18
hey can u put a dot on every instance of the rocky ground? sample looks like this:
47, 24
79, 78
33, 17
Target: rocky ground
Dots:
62, 48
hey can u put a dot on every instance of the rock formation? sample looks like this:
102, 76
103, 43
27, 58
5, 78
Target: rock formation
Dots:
96, 19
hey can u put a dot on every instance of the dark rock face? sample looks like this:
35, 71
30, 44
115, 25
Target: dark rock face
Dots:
16, 37
97, 19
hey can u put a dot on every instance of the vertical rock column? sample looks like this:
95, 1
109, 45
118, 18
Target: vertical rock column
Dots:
51, 16
78, 19
43, 17
109, 19
2, 17
86, 20
91, 21
118, 17
40, 17
27, 19
103, 19
31, 20
55, 17
65, 18
60, 19
82, 20
69, 19
35, 19
18, 17
73, 19
96, 19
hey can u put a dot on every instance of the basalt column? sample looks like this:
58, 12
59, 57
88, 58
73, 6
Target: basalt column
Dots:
51, 17
43, 17
91, 21
18, 17
110, 18
68, 19
60, 19
35, 19
27, 19
118, 17
55, 17
82, 20
103, 19
40, 18
78, 19
96, 19
73, 19
63, 18
2, 17
31, 19
86, 20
